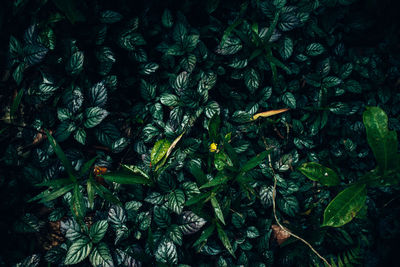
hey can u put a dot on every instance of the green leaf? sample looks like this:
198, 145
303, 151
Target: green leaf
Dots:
376, 178
93, 116
106, 194
98, 95
161, 216
286, 48
289, 99
219, 179
252, 80
181, 81
205, 235
217, 209
148, 68
60, 154
279, 3
254, 162
176, 201
109, 17
70, 9
80, 136
78, 206
134, 169
55, 182
98, 230
159, 150
188, 62
90, 192
18, 73
64, 114
221, 160
169, 100
197, 198
48, 195
78, 251
34, 53
75, 64
345, 206
331, 81
166, 252
316, 172
353, 86
230, 151
123, 177
16, 102
272, 27
87, 166
213, 127
101, 256
15, 48
198, 174
190, 223
229, 30
231, 46
107, 133
166, 18
382, 141
252, 232
225, 240
315, 49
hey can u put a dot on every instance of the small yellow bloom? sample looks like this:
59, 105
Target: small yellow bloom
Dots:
213, 147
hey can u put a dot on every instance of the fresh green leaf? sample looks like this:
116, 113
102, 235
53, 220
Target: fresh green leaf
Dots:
316, 172
345, 206
98, 230
382, 141
217, 209
78, 251
159, 150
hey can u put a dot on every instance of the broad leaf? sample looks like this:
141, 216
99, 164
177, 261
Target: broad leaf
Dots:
176, 201
166, 252
382, 141
345, 206
75, 64
78, 251
98, 230
190, 223
159, 150
93, 116
101, 256
316, 172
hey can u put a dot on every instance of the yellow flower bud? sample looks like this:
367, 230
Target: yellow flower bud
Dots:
213, 147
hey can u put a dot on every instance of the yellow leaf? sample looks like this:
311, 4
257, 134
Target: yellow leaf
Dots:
268, 113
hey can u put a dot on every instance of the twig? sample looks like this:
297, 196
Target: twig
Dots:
276, 217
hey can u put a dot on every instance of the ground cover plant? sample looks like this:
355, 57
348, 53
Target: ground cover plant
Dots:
199, 133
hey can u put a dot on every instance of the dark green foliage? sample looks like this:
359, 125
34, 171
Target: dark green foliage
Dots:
141, 133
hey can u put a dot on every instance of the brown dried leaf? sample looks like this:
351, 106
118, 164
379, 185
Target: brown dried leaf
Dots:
279, 234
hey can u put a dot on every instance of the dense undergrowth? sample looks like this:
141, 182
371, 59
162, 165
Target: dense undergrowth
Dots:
137, 133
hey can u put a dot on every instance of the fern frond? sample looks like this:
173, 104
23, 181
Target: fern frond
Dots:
349, 258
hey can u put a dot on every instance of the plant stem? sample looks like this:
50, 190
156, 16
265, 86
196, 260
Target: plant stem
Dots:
276, 217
